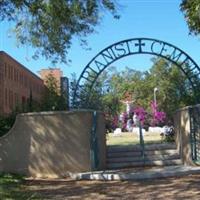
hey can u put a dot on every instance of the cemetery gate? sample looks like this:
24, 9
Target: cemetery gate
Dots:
121, 49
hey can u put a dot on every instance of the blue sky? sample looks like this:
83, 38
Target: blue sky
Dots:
159, 19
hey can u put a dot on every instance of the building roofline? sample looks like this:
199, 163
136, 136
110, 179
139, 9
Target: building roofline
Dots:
52, 68
6, 54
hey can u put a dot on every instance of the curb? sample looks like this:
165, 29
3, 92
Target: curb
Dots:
172, 171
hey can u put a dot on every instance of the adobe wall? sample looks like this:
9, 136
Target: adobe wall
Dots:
51, 144
182, 129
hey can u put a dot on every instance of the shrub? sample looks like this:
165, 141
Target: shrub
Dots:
6, 123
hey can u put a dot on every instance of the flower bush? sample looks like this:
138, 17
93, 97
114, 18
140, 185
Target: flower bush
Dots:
158, 117
141, 114
154, 118
124, 120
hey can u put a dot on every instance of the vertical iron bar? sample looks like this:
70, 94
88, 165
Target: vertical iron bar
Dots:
141, 142
94, 143
192, 133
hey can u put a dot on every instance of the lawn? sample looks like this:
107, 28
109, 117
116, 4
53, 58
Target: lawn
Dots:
12, 187
127, 138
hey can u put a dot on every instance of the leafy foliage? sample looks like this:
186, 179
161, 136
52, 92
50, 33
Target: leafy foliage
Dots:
6, 123
50, 25
141, 114
52, 99
12, 186
174, 90
191, 10
158, 117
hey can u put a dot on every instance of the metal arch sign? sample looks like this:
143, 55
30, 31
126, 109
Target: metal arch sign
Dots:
129, 47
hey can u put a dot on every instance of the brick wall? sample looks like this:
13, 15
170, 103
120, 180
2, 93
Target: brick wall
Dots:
18, 84
1, 86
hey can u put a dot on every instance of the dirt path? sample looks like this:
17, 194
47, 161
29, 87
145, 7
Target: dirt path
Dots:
187, 187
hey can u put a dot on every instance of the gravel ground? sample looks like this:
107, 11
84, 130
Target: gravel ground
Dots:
187, 187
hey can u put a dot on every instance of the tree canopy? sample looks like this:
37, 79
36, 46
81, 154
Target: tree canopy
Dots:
50, 25
112, 87
53, 98
191, 10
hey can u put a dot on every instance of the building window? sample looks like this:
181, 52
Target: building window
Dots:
15, 75
6, 97
24, 81
11, 72
10, 99
20, 78
6, 70
16, 99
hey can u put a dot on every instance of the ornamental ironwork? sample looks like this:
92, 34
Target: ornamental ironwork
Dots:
129, 47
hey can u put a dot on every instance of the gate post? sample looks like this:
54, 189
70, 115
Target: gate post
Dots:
187, 130
94, 143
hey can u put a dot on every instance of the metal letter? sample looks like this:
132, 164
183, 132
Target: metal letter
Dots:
175, 57
120, 48
108, 56
99, 65
152, 46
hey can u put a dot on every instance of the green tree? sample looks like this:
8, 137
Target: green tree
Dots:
6, 123
191, 10
52, 99
50, 25
112, 86
173, 87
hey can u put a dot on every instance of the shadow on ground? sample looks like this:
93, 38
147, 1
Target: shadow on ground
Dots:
187, 187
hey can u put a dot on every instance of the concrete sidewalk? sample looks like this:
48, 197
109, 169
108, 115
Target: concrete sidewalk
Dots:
141, 174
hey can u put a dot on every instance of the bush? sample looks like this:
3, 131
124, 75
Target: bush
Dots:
169, 138
6, 123
169, 134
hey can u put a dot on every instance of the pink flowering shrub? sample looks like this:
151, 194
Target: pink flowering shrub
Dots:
154, 118
124, 120
158, 117
115, 122
141, 114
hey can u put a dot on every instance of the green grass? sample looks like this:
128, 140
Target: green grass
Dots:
132, 139
12, 187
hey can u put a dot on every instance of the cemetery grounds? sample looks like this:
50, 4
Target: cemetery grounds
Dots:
129, 138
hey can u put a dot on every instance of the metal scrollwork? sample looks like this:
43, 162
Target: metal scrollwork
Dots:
129, 47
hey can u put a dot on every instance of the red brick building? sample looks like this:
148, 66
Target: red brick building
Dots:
17, 84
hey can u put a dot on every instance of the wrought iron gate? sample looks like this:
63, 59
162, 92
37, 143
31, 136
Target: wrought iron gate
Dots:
94, 143
194, 113
121, 49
